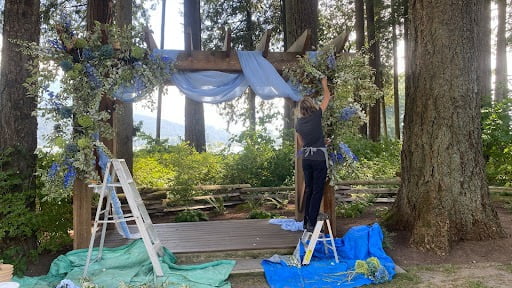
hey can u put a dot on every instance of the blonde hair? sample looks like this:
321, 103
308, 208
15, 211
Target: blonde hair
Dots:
306, 107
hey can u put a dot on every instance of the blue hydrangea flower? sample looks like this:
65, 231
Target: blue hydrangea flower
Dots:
52, 172
54, 101
347, 152
71, 148
91, 74
69, 177
86, 54
331, 61
347, 113
56, 44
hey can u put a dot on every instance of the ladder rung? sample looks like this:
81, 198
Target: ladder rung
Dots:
117, 184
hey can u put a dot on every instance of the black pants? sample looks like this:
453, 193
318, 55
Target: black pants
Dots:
315, 173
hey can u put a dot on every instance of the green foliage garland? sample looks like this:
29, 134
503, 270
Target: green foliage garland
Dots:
73, 75
352, 88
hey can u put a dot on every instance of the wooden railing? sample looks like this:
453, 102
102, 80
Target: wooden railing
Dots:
157, 203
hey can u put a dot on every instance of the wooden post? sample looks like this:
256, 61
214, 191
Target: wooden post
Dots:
299, 183
82, 197
329, 205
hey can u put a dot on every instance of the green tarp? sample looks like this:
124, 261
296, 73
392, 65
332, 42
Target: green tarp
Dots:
130, 265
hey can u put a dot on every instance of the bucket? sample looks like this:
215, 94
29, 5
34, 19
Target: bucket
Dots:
5, 272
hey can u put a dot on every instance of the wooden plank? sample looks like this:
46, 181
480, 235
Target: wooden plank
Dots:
338, 43
393, 181
216, 236
302, 43
267, 189
82, 198
227, 42
148, 38
368, 191
216, 60
196, 207
264, 43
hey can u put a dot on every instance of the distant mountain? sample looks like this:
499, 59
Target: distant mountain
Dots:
170, 130
175, 131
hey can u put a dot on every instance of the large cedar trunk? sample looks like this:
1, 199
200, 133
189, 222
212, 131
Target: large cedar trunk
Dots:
101, 11
18, 127
299, 16
123, 115
194, 111
501, 87
444, 196
374, 110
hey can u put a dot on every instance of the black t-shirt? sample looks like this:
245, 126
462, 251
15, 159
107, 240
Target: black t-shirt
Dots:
310, 129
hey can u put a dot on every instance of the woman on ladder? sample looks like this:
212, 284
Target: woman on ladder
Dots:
314, 153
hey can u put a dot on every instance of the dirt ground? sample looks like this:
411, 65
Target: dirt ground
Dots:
472, 264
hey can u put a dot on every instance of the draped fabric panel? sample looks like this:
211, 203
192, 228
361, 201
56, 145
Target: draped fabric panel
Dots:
217, 87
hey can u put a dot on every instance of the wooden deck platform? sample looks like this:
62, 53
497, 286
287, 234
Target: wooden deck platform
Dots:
216, 236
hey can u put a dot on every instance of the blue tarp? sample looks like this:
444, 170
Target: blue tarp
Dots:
359, 243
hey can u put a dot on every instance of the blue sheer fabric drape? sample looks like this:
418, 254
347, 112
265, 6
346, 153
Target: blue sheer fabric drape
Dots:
217, 87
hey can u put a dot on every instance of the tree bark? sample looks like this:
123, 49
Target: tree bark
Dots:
485, 75
101, 11
18, 127
444, 196
360, 40
123, 114
501, 83
299, 16
396, 95
374, 112
194, 111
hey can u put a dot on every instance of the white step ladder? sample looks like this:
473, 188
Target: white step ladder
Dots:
117, 170
309, 240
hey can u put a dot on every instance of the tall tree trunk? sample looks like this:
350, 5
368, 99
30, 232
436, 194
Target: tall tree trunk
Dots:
300, 15
123, 114
101, 11
396, 95
194, 111
18, 127
484, 61
501, 83
444, 195
161, 88
360, 40
249, 44
374, 111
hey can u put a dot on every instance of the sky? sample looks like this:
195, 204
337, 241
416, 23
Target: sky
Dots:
173, 102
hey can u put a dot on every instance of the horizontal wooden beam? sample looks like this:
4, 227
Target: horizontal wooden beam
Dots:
216, 60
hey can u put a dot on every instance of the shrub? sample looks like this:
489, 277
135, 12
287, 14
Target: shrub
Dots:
191, 216
497, 143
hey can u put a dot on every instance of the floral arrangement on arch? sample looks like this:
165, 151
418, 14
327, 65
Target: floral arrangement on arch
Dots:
352, 88
75, 72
